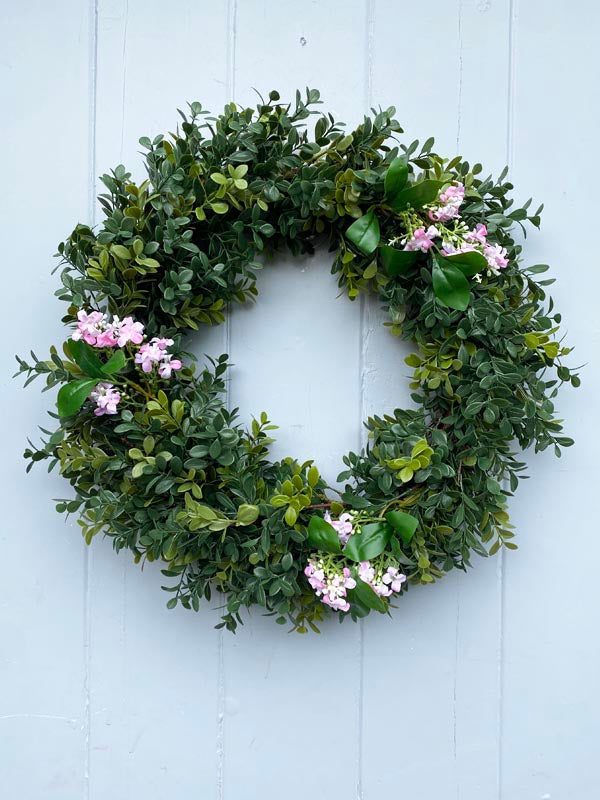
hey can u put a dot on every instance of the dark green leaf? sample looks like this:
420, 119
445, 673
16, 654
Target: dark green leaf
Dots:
404, 524
364, 595
115, 363
397, 262
450, 285
322, 536
469, 263
395, 177
417, 195
85, 357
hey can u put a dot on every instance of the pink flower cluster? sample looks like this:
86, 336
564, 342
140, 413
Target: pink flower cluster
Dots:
476, 239
343, 525
155, 352
95, 329
450, 200
106, 397
330, 585
383, 583
421, 239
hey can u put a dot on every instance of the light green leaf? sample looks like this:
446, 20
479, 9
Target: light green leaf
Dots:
369, 542
73, 395
364, 233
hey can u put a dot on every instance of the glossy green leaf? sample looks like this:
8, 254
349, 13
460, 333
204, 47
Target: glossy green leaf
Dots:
115, 363
85, 357
369, 542
450, 285
417, 195
322, 536
469, 263
397, 262
395, 177
404, 524
364, 595
364, 233
73, 395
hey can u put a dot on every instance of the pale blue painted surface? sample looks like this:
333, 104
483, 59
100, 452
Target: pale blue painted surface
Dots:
484, 687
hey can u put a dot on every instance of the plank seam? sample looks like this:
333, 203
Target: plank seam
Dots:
512, 11
231, 22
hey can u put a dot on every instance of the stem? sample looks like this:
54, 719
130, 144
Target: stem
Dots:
139, 388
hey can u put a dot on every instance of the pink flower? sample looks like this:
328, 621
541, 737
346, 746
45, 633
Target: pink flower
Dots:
343, 525
106, 338
478, 234
155, 352
349, 582
450, 200
162, 343
496, 257
394, 578
167, 366
106, 397
330, 586
89, 326
148, 355
422, 239
129, 331
315, 575
366, 572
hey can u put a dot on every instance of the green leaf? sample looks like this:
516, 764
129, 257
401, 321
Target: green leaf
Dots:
120, 252
397, 262
73, 395
369, 542
322, 536
404, 524
449, 284
364, 595
291, 515
364, 233
115, 363
219, 208
395, 177
85, 357
247, 514
417, 195
370, 271
469, 263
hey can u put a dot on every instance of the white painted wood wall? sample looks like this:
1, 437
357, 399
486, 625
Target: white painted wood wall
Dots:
483, 687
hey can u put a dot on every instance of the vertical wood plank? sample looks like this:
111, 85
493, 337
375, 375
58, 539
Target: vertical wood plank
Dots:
442, 646
44, 142
551, 707
280, 695
154, 673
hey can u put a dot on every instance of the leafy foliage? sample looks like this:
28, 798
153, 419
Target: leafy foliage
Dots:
174, 477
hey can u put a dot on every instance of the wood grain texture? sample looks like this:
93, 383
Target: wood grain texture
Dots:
484, 686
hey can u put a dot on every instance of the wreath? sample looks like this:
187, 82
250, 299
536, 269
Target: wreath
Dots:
162, 467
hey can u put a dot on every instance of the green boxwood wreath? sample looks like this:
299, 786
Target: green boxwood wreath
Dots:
173, 477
